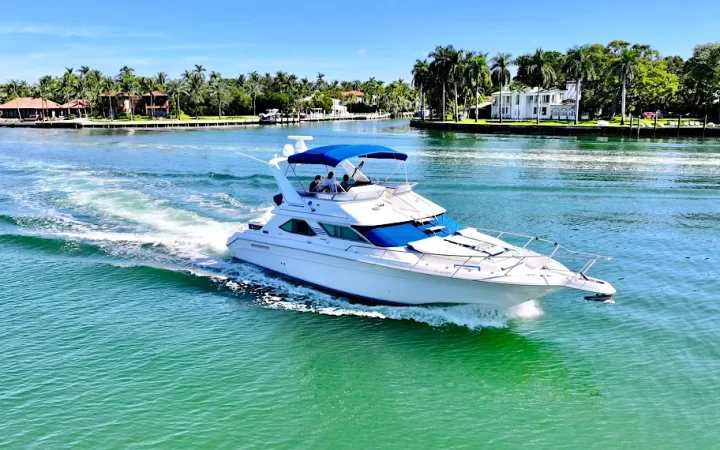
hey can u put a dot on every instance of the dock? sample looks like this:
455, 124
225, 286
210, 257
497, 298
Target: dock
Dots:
192, 123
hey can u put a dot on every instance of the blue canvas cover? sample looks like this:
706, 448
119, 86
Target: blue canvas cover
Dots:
398, 235
332, 155
443, 220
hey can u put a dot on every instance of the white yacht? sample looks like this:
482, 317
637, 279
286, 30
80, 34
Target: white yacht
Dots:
381, 241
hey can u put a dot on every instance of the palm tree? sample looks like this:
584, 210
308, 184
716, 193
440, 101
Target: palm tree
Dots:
624, 67
420, 81
320, 81
441, 68
501, 74
43, 91
579, 66
148, 86
478, 76
68, 86
200, 71
217, 89
176, 88
542, 73
253, 87
456, 68
161, 79
196, 84
15, 90
107, 87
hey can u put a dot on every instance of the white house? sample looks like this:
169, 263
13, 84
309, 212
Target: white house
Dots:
558, 104
338, 109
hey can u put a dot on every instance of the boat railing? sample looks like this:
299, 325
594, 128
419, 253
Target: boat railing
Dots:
559, 250
348, 196
439, 263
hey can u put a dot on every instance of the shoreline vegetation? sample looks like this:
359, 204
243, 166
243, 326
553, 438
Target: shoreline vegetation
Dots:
613, 82
197, 95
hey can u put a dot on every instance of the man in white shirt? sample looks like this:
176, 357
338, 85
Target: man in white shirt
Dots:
328, 184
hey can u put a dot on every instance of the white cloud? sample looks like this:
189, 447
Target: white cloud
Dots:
8, 28
361, 52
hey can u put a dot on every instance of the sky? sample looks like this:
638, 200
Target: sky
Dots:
344, 40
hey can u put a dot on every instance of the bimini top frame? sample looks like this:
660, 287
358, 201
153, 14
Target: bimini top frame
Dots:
332, 155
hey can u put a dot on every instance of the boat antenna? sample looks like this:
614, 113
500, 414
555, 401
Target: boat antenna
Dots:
251, 157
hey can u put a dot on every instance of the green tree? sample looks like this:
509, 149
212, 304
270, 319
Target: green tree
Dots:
501, 63
253, 88
107, 88
537, 70
442, 66
43, 91
702, 78
217, 90
177, 88
579, 66
69, 86
624, 67
478, 76
421, 80
654, 85
147, 86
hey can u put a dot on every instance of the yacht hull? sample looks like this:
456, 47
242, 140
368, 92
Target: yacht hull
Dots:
381, 283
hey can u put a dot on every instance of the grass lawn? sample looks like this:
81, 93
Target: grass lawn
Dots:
583, 123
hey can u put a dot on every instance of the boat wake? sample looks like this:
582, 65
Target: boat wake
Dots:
141, 228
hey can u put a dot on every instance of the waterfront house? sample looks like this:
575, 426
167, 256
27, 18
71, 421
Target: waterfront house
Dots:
353, 96
78, 107
557, 104
118, 103
338, 109
157, 104
29, 108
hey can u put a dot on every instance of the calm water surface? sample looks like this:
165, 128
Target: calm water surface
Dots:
123, 324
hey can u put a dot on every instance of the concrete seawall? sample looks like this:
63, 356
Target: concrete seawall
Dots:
550, 130
154, 124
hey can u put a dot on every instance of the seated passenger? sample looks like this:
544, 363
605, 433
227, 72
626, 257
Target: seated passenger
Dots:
315, 183
329, 184
346, 184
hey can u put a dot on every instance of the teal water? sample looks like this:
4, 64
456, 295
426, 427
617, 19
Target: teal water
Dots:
123, 324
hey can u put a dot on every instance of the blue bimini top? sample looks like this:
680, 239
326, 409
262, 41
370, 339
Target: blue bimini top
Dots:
332, 155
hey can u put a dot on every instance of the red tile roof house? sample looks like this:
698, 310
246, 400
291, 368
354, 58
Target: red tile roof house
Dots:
28, 108
78, 107
157, 104
117, 103
357, 95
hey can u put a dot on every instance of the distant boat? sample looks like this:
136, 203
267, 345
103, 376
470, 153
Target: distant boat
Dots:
270, 116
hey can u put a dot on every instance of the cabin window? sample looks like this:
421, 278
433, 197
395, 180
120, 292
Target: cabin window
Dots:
340, 232
297, 227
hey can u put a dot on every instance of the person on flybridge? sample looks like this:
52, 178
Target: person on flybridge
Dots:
329, 184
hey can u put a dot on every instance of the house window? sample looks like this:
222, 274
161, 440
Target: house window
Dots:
340, 232
517, 100
534, 110
297, 227
531, 100
546, 99
544, 111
